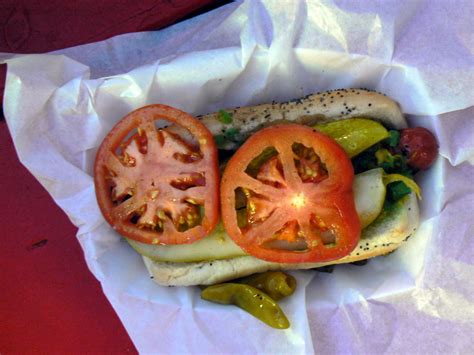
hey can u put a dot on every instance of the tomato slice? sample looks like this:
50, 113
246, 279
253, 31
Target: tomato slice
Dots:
297, 206
158, 185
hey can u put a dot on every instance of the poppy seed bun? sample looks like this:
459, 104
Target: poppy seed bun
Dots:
384, 235
312, 109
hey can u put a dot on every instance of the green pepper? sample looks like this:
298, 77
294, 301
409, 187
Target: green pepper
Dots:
394, 138
250, 299
396, 190
276, 284
224, 117
220, 140
392, 163
407, 182
355, 134
229, 135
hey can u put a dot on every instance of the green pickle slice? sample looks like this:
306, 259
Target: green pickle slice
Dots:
355, 134
369, 196
215, 246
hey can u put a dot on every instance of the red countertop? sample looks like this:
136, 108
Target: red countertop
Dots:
49, 301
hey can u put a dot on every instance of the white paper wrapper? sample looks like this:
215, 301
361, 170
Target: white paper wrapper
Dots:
417, 300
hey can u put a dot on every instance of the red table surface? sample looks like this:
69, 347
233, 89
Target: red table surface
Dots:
49, 301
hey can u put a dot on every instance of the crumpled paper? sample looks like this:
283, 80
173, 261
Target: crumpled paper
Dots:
59, 106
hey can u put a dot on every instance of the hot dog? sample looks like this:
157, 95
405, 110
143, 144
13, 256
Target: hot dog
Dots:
213, 256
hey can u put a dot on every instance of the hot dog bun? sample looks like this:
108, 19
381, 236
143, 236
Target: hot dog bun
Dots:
383, 236
312, 109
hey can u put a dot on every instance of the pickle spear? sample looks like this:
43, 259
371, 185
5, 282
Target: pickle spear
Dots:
354, 135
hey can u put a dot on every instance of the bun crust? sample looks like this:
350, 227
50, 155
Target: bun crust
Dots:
312, 109
385, 235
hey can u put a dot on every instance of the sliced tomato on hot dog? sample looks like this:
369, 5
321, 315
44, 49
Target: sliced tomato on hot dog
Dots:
155, 185
286, 196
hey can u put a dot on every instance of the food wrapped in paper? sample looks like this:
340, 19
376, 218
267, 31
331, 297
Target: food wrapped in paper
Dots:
59, 106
